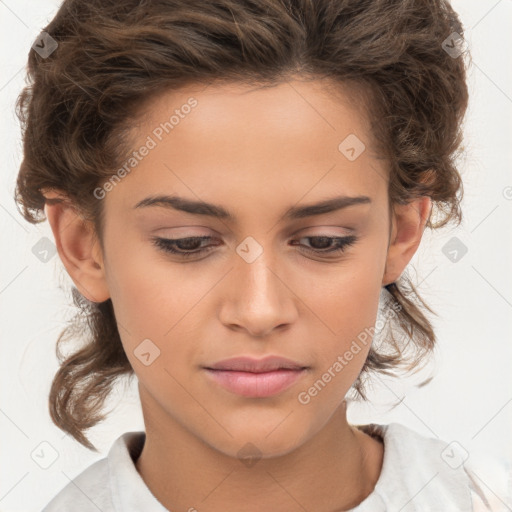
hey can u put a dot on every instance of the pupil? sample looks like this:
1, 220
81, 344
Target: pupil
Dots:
189, 243
321, 239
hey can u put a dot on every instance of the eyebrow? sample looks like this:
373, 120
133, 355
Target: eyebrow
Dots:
218, 212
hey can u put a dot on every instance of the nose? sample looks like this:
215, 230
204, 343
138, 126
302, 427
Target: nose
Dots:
257, 298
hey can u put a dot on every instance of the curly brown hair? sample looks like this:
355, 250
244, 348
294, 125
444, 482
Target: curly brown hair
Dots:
112, 56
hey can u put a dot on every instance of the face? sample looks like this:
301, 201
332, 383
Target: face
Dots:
258, 274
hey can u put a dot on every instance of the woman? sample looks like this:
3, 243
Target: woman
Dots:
233, 187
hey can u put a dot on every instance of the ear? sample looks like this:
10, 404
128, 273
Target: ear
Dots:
78, 247
408, 223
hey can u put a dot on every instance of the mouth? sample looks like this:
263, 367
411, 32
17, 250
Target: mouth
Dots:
255, 378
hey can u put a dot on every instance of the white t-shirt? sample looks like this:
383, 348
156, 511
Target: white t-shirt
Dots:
418, 474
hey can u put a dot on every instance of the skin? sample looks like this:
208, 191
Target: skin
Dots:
255, 152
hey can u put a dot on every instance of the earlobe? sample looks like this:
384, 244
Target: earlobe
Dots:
78, 248
409, 223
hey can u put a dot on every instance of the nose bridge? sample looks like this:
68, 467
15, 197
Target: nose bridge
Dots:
253, 267
262, 283
259, 300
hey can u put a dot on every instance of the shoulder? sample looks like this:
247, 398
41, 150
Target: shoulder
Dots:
421, 473
97, 487
89, 491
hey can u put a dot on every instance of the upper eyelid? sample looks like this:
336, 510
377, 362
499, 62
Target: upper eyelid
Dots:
348, 239
213, 237
303, 232
342, 243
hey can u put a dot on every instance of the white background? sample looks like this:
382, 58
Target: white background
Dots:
468, 401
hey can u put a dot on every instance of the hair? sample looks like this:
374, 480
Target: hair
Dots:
113, 56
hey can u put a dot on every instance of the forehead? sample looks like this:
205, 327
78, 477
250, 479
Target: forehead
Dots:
282, 142
293, 111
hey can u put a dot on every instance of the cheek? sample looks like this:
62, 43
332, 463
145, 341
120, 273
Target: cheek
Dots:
147, 305
160, 301
344, 306
345, 299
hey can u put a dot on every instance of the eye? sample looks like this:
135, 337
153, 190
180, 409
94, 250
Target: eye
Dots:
183, 247
193, 246
332, 245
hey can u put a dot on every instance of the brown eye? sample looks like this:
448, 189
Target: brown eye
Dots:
328, 244
183, 247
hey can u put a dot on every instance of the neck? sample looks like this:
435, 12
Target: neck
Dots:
335, 470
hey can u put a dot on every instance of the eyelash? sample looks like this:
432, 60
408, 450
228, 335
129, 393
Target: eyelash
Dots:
169, 245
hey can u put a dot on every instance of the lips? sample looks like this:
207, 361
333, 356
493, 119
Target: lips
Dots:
257, 378
248, 364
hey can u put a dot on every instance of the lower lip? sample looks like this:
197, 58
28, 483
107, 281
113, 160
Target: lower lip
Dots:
256, 385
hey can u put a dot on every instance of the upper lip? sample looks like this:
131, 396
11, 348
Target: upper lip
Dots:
249, 364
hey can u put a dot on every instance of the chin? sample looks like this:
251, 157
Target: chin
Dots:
258, 444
